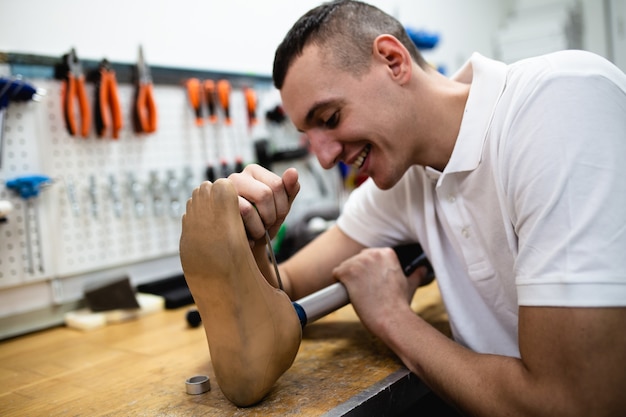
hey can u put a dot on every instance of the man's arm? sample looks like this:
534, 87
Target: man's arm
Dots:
573, 360
310, 269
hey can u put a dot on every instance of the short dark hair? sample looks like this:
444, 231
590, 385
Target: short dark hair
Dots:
348, 29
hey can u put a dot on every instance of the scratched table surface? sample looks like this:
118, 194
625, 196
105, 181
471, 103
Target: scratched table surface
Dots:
139, 368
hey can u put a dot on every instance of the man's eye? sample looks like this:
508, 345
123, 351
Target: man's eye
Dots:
333, 121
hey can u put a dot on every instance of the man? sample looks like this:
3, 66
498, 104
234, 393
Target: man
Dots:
508, 176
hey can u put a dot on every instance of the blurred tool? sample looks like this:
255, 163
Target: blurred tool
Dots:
198, 98
194, 93
136, 192
116, 198
71, 196
108, 110
155, 188
223, 94
276, 115
209, 95
251, 102
173, 191
223, 89
73, 90
93, 195
28, 188
14, 90
144, 109
423, 39
335, 296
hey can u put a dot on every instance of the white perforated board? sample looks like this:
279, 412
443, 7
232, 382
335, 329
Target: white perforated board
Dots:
96, 228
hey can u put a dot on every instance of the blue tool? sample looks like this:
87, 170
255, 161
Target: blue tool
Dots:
14, 90
29, 188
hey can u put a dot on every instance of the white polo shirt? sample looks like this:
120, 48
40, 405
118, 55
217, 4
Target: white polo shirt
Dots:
531, 208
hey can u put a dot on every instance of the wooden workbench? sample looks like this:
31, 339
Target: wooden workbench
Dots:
139, 368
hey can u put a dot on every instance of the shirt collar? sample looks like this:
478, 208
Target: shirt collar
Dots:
487, 78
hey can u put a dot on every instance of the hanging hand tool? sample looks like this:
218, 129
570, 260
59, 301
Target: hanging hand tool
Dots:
222, 90
194, 93
73, 90
251, 101
155, 189
93, 195
210, 98
209, 95
28, 188
223, 94
108, 110
116, 197
71, 196
14, 90
144, 109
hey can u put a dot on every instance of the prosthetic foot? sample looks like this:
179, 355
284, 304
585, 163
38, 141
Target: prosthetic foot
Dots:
251, 327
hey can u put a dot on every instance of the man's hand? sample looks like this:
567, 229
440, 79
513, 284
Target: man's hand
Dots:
377, 285
264, 199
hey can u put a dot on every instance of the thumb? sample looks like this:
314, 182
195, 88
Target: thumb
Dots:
415, 280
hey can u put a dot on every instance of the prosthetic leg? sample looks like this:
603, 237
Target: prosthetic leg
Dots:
252, 331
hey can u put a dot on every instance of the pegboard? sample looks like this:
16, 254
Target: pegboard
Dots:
111, 201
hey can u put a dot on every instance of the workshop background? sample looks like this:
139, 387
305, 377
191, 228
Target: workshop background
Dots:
79, 211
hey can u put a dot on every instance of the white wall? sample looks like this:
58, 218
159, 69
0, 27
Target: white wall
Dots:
226, 35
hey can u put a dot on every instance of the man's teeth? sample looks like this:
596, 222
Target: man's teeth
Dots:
361, 158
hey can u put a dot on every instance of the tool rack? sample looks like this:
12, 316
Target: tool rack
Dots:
114, 206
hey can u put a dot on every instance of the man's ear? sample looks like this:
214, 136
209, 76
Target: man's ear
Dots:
390, 51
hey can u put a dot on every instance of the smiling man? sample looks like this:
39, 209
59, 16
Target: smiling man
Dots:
510, 178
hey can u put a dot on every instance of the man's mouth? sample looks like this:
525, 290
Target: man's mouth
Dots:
358, 162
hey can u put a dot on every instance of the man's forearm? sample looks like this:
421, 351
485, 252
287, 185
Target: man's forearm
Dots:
478, 384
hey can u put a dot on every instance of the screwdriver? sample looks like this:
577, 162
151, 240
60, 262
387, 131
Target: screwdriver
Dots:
28, 188
209, 95
223, 94
194, 92
251, 101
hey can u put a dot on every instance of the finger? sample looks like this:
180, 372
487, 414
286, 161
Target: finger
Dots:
260, 187
255, 228
291, 184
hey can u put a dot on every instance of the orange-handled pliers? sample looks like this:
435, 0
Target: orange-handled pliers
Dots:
145, 111
73, 89
108, 110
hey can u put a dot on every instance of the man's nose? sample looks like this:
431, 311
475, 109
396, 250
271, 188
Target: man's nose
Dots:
327, 150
